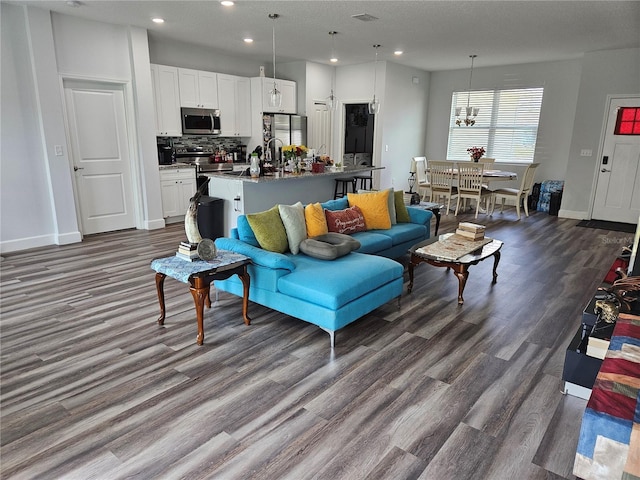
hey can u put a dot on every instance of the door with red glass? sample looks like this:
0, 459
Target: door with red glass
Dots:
617, 196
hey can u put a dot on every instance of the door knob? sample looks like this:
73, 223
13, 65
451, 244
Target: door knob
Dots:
605, 170
75, 169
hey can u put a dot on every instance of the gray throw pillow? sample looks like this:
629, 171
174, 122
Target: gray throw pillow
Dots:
329, 246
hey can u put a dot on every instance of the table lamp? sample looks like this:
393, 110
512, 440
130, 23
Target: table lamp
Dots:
412, 175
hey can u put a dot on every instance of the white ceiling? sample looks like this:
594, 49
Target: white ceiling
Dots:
435, 35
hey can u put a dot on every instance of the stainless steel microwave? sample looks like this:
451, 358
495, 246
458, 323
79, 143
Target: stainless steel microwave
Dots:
200, 121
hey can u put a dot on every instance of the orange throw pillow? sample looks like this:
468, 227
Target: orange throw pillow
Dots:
374, 207
315, 220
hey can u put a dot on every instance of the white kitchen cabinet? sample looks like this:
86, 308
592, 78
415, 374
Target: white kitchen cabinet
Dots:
166, 96
234, 94
177, 186
198, 89
288, 89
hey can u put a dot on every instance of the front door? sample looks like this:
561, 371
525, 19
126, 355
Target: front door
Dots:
617, 196
101, 158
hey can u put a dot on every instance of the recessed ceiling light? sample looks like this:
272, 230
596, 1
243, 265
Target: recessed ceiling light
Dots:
398, 52
157, 20
248, 40
227, 3
333, 59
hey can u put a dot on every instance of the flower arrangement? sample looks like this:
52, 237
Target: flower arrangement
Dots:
476, 152
290, 152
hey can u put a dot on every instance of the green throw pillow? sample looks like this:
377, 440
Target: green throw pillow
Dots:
269, 230
402, 214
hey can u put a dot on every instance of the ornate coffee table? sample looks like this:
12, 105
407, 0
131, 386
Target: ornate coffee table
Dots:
460, 266
199, 274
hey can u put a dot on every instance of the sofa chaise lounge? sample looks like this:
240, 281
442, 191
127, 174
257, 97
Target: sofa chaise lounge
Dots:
327, 293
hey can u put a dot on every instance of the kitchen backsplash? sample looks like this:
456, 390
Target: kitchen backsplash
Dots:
227, 144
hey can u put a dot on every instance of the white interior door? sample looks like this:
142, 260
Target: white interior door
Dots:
321, 129
617, 196
101, 157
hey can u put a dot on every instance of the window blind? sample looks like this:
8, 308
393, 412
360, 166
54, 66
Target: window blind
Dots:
506, 126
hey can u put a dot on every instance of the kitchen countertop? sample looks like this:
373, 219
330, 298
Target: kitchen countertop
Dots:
176, 165
268, 178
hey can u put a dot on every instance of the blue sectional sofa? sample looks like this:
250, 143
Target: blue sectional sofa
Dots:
329, 293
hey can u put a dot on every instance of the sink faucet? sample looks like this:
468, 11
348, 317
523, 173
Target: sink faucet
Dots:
269, 142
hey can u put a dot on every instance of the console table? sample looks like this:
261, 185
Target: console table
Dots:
199, 274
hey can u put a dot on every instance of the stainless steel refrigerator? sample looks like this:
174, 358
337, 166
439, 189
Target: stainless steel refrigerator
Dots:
289, 129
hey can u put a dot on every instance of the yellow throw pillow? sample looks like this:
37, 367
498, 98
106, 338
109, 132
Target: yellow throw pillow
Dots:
315, 220
374, 207
269, 230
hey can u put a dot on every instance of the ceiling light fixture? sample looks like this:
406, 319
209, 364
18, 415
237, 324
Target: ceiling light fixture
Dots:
275, 96
374, 105
398, 52
157, 20
227, 3
471, 112
332, 101
73, 3
248, 40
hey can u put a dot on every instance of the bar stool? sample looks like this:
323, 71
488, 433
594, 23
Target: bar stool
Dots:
366, 181
342, 186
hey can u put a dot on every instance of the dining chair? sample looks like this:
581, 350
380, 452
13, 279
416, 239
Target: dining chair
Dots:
441, 180
424, 187
470, 186
518, 194
487, 161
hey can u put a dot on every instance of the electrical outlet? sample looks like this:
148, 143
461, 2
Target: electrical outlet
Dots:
58, 150
386, 148
586, 152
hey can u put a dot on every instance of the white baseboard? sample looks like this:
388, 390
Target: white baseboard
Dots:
573, 214
67, 238
154, 224
27, 243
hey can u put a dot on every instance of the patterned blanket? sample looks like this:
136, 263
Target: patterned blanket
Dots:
609, 443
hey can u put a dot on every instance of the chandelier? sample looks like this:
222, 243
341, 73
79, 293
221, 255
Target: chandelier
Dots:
275, 95
332, 100
374, 105
471, 112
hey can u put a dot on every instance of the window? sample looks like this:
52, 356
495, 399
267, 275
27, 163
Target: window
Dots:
507, 125
628, 121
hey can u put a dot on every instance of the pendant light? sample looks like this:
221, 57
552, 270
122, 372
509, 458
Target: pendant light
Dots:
332, 100
471, 112
275, 95
374, 105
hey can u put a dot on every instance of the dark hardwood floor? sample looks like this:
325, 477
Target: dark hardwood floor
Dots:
92, 387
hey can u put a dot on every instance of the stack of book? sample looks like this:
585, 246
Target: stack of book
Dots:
471, 231
599, 338
188, 251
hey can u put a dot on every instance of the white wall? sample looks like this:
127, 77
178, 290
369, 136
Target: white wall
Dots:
39, 49
184, 55
613, 72
560, 81
26, 211
403, 123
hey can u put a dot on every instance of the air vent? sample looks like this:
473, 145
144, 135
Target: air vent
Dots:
365, 17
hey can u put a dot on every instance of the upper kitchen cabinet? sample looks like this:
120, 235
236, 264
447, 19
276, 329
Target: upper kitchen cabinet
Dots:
198, 89
264, 85
234, 94
166, 97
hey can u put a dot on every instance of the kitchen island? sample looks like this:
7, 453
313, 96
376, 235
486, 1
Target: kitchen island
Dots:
243, 194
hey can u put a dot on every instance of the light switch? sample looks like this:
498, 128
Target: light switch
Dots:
58, 150
585, 152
